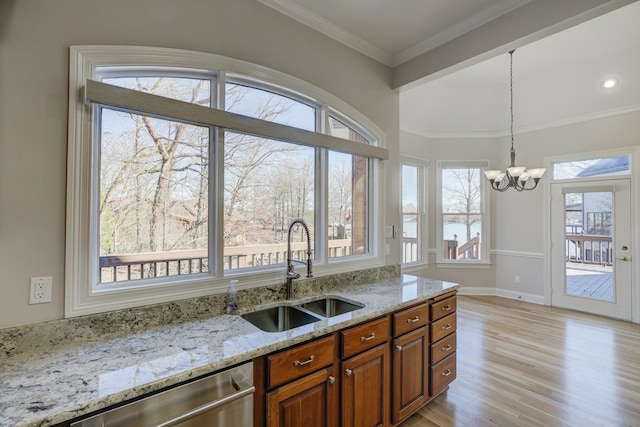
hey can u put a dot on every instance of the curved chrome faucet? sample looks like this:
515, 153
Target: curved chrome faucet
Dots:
291, 273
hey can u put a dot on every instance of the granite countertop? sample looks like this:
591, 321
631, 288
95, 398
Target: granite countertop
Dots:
61, 382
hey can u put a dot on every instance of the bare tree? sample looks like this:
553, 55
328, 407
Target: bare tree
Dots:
461, 195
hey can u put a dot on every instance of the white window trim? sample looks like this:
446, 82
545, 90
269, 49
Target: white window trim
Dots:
80, 299
423, 197
485, 262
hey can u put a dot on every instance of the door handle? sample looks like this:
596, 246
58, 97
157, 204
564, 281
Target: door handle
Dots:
624, 258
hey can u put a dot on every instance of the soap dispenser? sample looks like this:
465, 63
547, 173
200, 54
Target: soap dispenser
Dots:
232, 306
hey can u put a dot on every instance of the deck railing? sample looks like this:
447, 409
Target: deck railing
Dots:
469, 250
409, 249
117, 268
588, 249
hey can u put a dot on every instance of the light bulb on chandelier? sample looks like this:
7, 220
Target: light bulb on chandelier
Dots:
516, 177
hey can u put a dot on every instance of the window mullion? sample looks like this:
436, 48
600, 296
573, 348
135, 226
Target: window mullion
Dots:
322, 196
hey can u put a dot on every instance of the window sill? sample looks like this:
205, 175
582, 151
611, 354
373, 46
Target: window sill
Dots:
409, 268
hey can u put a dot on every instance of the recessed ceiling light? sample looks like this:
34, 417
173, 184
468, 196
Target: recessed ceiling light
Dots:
609, 83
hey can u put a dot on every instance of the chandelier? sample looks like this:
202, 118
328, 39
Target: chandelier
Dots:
516, 177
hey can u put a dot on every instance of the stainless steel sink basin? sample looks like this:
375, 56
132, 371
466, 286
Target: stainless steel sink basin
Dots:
329, 307
278, 319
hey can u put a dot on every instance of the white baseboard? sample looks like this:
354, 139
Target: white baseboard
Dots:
505, 293
473, 290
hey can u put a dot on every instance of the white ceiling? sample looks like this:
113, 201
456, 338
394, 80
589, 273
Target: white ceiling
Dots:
556, 79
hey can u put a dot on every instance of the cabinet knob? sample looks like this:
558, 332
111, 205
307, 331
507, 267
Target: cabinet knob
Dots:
446, 373
447, 348
306, 362
331, 379
399, 347
446, 308
414, 320
444, 328
369, 338
348, 372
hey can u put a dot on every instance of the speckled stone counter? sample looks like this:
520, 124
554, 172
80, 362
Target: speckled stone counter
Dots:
65, 375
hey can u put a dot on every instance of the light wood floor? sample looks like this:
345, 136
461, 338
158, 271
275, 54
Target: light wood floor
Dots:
522, 364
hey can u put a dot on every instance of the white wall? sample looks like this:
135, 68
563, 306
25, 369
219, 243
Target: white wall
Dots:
519, 236
35, 36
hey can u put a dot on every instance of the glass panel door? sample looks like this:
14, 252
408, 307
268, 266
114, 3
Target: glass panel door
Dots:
591, 256
588, 244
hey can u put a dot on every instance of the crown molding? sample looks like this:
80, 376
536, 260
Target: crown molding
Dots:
457, 30
305, 16
524, 129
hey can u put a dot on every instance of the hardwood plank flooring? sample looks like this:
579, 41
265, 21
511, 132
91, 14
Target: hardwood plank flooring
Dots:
522, 364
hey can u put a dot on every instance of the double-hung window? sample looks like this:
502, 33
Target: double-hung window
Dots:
182, 175
414, 218
462, 213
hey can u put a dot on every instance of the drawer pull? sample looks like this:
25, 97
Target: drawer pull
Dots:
399, 347
446, 308
446, 373
414, 320
447, 348
444, 328
348, 372
332, 379
306, 362
369, 338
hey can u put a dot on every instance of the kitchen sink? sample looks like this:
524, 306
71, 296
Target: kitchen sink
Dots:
329, 307
278, 319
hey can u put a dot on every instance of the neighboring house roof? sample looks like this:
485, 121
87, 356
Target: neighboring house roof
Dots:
606, 167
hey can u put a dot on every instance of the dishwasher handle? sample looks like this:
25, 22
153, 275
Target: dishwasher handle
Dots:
206, 407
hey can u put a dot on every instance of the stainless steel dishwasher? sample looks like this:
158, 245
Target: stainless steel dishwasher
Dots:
220, 400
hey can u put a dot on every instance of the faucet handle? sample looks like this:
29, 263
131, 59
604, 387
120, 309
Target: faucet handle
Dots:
293, 274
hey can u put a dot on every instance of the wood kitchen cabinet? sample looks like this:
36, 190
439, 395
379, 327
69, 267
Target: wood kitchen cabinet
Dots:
311, 401
443, 342
298, 386
366, 375
374, 374
410, 383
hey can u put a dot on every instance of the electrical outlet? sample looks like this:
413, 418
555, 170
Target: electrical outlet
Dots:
40, 290
517, 279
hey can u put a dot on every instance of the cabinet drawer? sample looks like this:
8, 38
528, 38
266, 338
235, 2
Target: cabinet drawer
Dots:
363, 337
442, 373
296, 362
410, 319
443, 327
443, 308
443, 348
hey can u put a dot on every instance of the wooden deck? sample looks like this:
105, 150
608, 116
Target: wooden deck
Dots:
590, 281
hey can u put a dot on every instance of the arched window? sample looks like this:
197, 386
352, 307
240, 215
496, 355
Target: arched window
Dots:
182, 175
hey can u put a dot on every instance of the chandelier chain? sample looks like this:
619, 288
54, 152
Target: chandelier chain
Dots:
511, 91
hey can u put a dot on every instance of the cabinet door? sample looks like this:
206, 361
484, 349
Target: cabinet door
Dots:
310, 401
410, 373
366, 388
